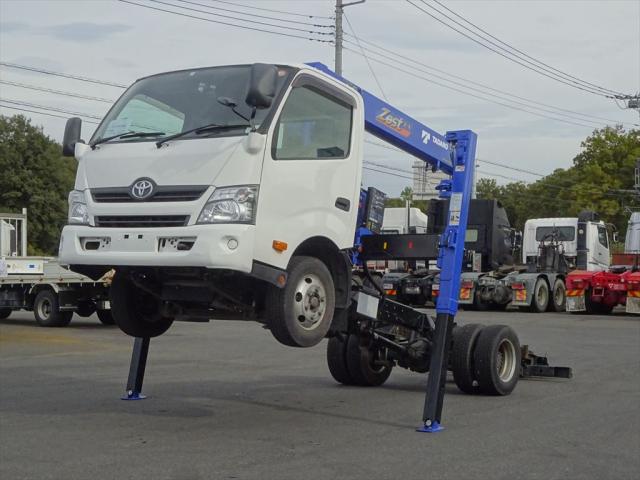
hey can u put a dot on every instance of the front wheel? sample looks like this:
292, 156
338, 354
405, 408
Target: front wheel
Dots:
136, 312
4, 313
300, 314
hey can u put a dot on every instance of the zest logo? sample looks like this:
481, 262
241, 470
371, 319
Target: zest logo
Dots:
397, 124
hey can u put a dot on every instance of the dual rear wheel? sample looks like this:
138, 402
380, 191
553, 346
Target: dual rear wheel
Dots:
352, 363
485, 359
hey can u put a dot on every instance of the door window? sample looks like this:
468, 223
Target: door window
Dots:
602, 237
312, 125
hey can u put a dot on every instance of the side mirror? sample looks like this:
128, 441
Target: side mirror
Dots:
72, 132
262, 85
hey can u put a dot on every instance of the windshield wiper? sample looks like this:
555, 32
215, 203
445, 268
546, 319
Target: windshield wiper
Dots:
130, 134
200, 130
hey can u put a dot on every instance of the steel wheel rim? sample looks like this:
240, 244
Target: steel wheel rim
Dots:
44, 308
541, 295
507, 359
558, 296
310, 302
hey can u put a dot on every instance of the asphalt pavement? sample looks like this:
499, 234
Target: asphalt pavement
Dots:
226, 401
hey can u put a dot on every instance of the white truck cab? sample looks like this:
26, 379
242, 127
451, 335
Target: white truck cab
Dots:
224, 192
596, 238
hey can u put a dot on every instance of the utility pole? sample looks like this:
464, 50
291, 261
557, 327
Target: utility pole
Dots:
338, 39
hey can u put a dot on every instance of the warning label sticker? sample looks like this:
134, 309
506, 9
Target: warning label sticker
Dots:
454, 208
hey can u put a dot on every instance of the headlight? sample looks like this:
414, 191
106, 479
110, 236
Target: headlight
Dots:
78, 208
231, 205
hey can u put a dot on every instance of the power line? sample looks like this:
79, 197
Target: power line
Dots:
395, 67
298, 22
39, 113
44, 107
272, 10
64, 75
448, 75
373, 73
515, 60
255, 22
485, 93
57, 92
511, 47
225, 23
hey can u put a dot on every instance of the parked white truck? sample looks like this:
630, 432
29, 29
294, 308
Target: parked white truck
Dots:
42, 284
551, 248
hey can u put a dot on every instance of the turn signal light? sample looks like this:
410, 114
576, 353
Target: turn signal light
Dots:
279, 246
517, 286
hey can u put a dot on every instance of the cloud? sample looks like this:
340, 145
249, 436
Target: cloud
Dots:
85, 31
9, 27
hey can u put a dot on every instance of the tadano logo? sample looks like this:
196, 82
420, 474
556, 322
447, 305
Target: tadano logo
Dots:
426, 137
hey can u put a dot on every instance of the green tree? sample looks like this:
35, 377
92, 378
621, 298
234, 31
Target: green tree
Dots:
601, 179
34, 175
406, 194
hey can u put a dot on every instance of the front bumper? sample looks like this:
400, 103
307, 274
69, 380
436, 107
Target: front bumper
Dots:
229, 246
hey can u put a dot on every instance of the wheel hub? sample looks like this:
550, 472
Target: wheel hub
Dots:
310, 301
506, 360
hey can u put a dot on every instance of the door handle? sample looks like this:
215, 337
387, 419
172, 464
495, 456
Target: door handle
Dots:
343, 204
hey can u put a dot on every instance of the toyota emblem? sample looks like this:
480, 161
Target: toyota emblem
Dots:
142, 188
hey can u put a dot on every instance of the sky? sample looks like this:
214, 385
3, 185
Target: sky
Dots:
597, 41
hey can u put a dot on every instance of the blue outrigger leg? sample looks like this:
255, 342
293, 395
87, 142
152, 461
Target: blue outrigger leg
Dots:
455, 155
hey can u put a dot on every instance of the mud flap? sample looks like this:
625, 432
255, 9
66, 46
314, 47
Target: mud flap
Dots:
576, 304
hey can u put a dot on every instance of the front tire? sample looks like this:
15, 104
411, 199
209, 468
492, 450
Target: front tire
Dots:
46, 309
137, 313
497, 360
300, 314
4, 313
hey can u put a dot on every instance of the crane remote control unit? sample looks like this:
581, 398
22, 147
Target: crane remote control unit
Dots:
232, 192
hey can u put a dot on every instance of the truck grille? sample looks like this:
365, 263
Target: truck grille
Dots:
162, 194
139, 221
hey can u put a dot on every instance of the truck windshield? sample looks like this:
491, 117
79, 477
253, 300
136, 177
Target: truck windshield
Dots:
565, 234
175, 102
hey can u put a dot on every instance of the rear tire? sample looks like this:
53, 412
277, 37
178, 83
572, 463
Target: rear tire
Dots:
497, 360
360, 362
4, 313
300, 314
558, 302
46, 309
86, 309
337, 360
134, 311
539, 297
464, 342
105, 317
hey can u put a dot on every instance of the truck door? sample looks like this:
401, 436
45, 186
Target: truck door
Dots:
311, 173
602, 257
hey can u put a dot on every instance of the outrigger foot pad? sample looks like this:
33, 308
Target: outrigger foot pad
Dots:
131, 395
433, 428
